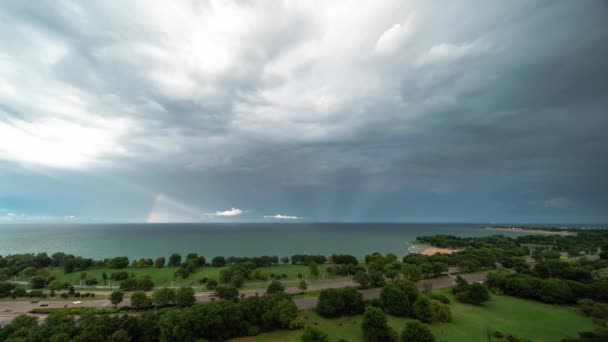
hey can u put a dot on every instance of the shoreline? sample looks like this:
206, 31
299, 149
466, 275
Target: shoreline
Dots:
532, 230
431, 250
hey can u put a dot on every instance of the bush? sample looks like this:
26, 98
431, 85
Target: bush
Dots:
184, 297
163, 297
211, 284
441, 312
19, 292
140, 300
314, 335
398, 297
475, 293
423, 309
275, 287
37, 282
340, 302
227, 293
417, 332
91, 282
119, 276
375, 326
441, 298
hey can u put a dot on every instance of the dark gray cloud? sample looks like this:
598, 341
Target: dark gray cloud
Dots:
469, 111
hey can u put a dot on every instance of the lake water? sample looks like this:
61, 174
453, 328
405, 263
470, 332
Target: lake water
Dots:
151, 240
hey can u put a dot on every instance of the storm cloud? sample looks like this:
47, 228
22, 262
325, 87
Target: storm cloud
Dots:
329, 111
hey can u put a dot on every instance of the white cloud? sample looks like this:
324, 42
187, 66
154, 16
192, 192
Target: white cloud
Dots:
283, 217
393, 38
557, 203
59, 143
230, 212
446, 52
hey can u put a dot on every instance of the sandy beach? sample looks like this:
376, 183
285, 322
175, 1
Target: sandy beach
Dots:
436, 250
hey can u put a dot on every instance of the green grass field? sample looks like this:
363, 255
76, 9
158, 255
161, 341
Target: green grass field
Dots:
527, 319
165, 276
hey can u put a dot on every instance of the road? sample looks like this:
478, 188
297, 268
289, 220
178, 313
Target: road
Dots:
11, 309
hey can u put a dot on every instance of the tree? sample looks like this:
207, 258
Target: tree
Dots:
362, 278
120, 336
227, 293
423, 309
163, 297
237, 280
312, 334
375, 326
478, 294
116, 297
37, 282
55, 285
397, 297
302, 285
314, 269
285, 312
184, 297
285, 260
139, 300
275, 287
119, 262
376, 279
175, 260
218, 261
159, 262
417, 332
353, 301
555, 291
412, 272
211, 284
104, 276
441, 312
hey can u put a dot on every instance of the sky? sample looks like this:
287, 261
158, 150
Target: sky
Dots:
304, 111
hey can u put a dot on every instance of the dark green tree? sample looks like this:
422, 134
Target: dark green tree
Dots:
417, 332
163, 297
184, 297
275, 286
174, 260
159, 262
116, 297
312, 334
375, 326
139, 300
423, 309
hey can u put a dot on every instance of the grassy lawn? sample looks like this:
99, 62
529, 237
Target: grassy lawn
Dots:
165, 276
527, 319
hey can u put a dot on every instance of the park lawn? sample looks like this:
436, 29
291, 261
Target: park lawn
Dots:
527, 319
160, 276
165, 276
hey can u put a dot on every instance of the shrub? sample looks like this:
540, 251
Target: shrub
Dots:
397, 297
375, 326
275, 287
314, 335
184, 296
340, 302
423, 309
211, 284
417, 332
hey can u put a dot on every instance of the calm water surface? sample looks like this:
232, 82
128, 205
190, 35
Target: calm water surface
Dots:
151, 240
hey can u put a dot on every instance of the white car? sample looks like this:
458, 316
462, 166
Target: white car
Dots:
77, 302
